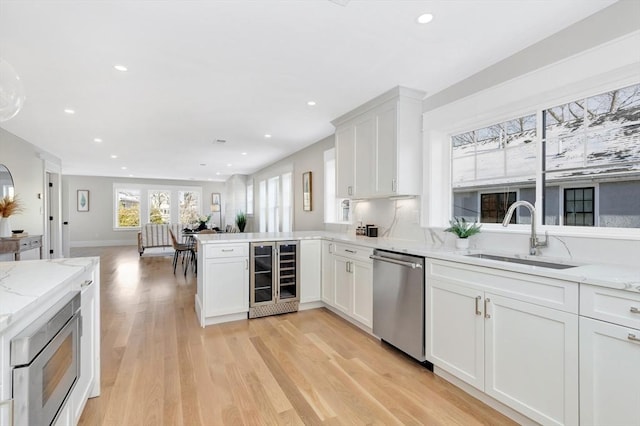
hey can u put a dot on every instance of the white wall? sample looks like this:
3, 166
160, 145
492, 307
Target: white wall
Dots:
25, 161
95, 227
310, 159
236, 196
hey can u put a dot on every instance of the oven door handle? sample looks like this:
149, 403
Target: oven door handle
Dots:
411, 265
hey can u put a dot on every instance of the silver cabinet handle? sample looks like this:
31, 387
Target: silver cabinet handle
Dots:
227, 250
478, 299
350, 251
486, 311
393, 185
395, 261
349, 190
246, 264
86, 283
633, 338
634, 310
331, 248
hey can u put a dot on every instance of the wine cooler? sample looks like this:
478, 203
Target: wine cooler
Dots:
275, 287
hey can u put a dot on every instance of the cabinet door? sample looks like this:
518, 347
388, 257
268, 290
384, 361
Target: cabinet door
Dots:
343, 284
531, 359
386, 149
609, 374
328, 275
345, 160
227, 286
455, 330
310, 270
365, 166
363, 292
88, 348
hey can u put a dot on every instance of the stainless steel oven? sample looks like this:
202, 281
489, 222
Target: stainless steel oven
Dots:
45, 358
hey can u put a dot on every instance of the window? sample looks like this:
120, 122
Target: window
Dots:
287, 203
272, 204
159, 207
189, 206
127, 208
593, 140
250, 199
336, 210
488, 166
263, 205
135, 203
494, 206
579, 206
589, 170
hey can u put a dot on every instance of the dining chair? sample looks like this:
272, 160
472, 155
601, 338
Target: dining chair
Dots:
180, 249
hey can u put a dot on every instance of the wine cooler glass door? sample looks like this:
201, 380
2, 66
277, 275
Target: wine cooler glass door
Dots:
288, 271
262, 274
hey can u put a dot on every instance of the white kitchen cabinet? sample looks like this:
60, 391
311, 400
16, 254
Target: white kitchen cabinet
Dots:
328, 274
353, 272
223, 283
609, 354
88, 384
310, 271
483, 329
379, 146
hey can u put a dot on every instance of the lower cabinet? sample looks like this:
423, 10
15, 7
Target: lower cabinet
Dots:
521, 354
310, 271
223, 282
609, 357
353, 285
328, 273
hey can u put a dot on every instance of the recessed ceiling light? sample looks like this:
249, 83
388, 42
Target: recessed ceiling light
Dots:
217, 173
69, 111
120, 67
267, 136
244, 153
98, 140
425, 18
124, 167
114, 156
311, 103
229, 165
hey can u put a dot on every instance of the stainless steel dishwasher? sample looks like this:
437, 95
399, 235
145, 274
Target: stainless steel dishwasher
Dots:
398, 301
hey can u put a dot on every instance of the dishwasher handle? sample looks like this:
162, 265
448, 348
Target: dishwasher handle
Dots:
397, 262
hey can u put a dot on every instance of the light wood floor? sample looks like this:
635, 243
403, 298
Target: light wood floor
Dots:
160, 368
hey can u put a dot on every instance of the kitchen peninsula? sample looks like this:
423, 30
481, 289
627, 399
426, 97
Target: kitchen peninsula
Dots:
28, 290
498, 307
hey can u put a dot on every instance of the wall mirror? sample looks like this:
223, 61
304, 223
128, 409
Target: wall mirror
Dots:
6, 182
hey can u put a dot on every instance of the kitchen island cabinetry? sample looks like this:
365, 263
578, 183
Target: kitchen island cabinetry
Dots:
491, 329
609, 355
378, 146
328, 273
223, 283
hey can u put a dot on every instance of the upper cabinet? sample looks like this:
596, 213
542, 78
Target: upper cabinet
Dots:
379, 147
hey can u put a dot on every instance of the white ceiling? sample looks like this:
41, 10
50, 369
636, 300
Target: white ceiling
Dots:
236, 70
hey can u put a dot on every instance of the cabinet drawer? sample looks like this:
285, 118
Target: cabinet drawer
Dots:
353, 252
229, 250
606, 304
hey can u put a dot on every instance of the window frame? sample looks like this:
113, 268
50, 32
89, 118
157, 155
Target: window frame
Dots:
145, 190
588, 87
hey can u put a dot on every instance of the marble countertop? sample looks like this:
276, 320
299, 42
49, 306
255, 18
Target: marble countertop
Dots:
27, 283
612, 276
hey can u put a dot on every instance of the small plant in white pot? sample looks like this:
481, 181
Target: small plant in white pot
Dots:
463, 230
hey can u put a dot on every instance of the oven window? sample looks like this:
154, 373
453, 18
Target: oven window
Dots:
55, 369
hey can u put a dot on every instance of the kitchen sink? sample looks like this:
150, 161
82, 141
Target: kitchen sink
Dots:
521, 261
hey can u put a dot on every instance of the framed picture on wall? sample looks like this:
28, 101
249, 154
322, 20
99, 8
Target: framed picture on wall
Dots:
83, 200
215, 202
306, 191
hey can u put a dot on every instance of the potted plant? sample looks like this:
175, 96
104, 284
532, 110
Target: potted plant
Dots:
241, 221
202, 222
463, 230
8, 207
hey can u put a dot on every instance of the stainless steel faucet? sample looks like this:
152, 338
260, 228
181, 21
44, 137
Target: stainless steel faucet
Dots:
533, 240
